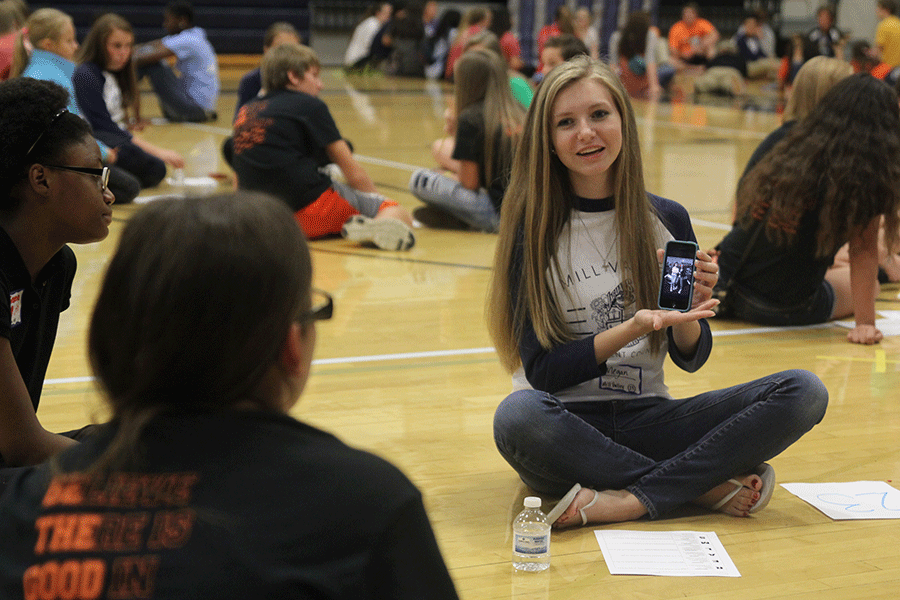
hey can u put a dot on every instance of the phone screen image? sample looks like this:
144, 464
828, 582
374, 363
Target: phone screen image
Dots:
676, 287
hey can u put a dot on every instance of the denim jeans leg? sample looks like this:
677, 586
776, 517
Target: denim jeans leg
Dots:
665, 452
551, 448
725, 433
472, 208
174, 102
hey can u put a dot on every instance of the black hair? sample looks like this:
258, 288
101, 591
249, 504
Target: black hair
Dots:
500, 21
195, 308
28, 111
181, 9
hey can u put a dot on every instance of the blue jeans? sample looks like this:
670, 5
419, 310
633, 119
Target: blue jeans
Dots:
665, 452
174, 101
747, 307
475, 209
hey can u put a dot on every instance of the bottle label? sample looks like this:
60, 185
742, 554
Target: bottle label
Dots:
531, 544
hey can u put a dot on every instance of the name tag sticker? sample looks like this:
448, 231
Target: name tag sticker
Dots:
622, 378
15, 307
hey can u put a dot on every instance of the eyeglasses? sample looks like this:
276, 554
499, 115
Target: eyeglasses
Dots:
49, 126
102, 174
322, 310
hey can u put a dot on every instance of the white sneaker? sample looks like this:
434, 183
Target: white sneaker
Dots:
387, 233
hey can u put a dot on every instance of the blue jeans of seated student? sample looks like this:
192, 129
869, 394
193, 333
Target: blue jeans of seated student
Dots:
817, 309
174, 101
665, 452
475, 209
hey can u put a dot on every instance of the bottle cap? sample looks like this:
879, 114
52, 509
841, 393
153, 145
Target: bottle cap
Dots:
532, 502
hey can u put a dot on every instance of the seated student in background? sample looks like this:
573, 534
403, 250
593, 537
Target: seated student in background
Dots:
563, 24
406, 37
557, 50
834, 179
360, 44
52, 192
510, 49
826, 39
50, 35
192, 95
864, 59
473, 20
633, 55
106, 90
587, 31
251, 83
488, 125
752, 49
282, 139
11, 20
442, 149
233, 498
692, 40
437, 46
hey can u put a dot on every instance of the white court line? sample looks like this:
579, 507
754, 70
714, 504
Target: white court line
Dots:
711, 224
465, 352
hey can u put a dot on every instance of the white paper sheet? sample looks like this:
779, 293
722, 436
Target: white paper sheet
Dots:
888, 325
850, 500
665, 553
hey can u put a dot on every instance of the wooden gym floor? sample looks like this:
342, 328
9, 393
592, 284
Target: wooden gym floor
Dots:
405, 368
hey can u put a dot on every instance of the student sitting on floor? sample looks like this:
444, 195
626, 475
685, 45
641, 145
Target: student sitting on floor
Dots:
192, 96
106, 89
281, 141
52, 192
251, 83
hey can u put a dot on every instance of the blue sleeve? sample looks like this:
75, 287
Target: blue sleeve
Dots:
248, 89
89, 82
676, 220
557, 368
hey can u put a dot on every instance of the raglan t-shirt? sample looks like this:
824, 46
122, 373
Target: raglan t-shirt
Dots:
596, 293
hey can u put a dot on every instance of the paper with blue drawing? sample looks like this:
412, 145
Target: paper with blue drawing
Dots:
850, 500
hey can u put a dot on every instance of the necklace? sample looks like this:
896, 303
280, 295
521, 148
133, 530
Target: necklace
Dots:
604, 256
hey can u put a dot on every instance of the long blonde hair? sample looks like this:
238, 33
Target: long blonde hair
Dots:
537, 207
43, 24
813, 80
481, 77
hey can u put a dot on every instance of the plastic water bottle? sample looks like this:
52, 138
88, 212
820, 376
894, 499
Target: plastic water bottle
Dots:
531, 538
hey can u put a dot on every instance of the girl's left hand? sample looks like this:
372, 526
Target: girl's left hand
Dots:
706, 275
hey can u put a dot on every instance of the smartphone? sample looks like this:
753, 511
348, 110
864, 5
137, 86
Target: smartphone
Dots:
676, 286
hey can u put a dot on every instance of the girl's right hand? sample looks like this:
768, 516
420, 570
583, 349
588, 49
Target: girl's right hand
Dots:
654, 320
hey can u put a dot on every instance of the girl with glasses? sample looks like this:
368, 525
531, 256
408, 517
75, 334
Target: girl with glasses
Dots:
52, 193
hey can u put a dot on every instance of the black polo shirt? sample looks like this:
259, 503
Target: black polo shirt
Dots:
29, 314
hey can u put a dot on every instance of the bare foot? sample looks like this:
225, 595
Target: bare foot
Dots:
741, 503
610, 506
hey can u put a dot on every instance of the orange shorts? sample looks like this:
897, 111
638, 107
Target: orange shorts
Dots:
328, 213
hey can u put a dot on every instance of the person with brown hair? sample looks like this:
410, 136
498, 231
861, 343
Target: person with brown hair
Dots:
833, 179
573, 315
221, 492
107, 93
